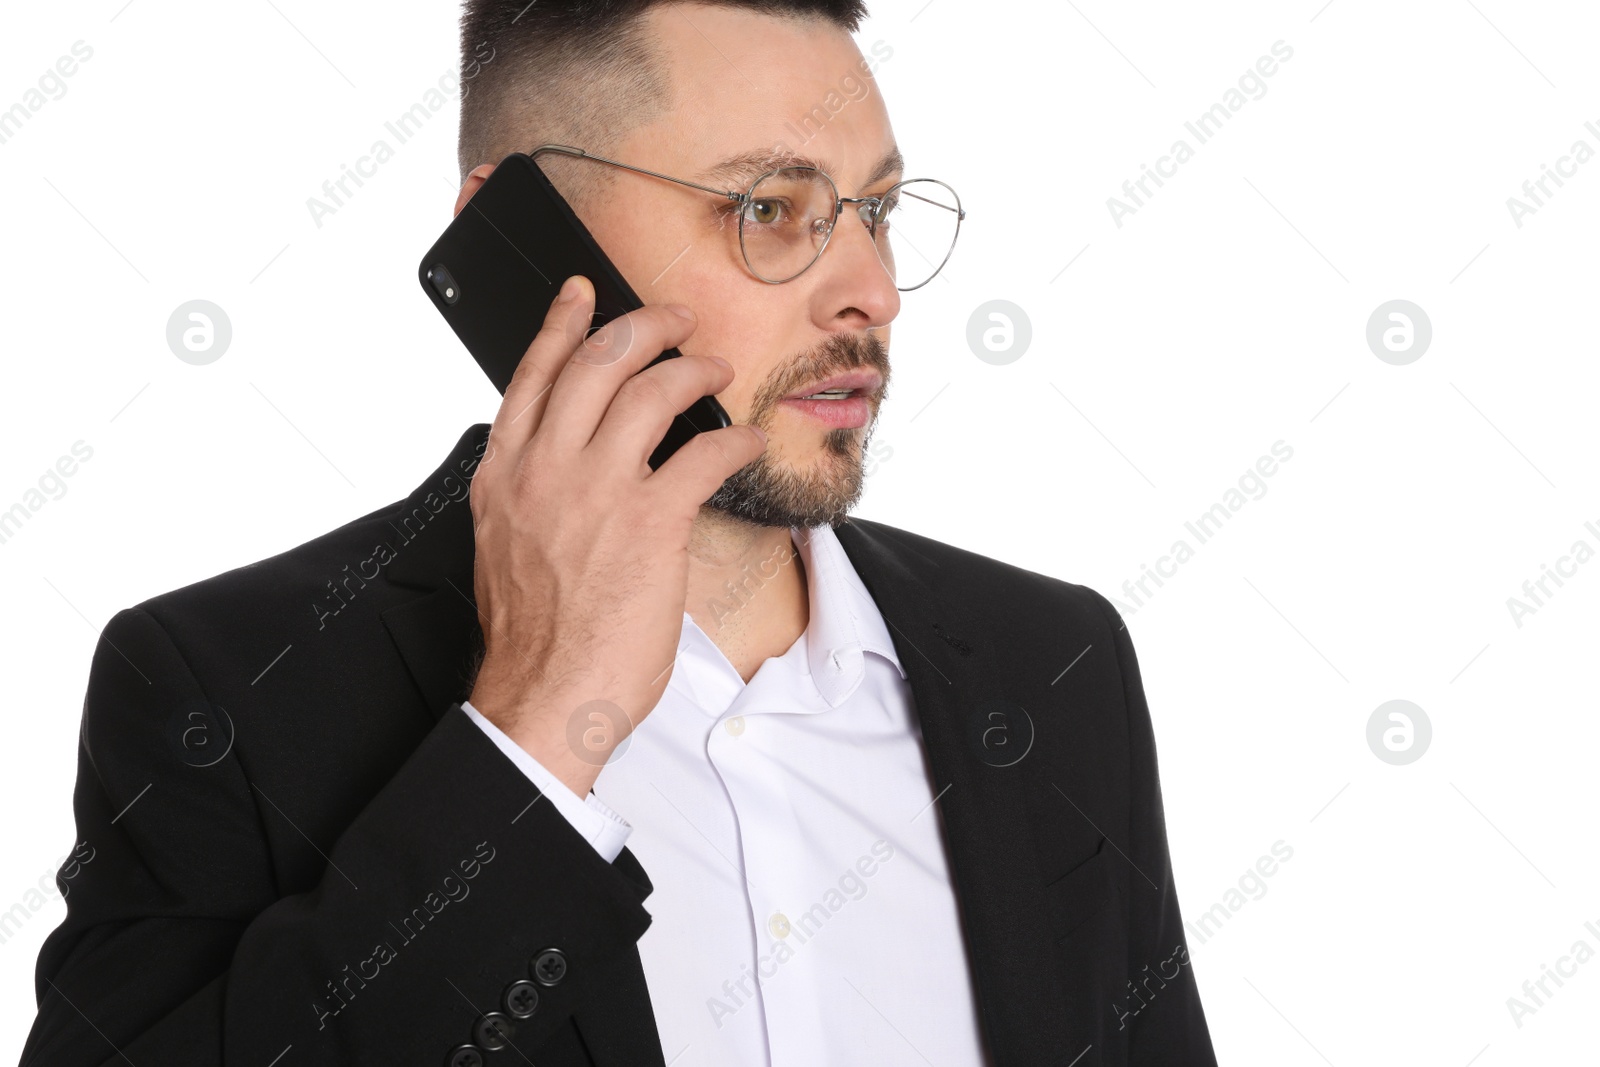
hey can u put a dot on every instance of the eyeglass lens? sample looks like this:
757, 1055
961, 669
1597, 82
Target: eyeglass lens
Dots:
785, 224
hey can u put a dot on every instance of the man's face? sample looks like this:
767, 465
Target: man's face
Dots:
745, 83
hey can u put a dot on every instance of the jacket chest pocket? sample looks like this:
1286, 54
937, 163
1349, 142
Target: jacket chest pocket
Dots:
1079, 897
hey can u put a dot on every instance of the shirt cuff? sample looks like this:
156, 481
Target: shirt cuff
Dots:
595, 822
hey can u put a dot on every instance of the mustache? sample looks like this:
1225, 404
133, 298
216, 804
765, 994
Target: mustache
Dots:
838, 353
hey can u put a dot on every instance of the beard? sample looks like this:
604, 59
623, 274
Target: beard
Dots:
765, 491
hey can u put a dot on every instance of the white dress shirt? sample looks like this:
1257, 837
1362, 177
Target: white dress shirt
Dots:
803, 912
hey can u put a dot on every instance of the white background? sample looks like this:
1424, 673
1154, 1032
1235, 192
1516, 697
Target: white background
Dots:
1227, 314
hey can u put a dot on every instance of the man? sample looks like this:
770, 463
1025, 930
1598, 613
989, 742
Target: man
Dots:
884, 801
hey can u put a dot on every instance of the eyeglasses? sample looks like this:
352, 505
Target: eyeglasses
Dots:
787, 217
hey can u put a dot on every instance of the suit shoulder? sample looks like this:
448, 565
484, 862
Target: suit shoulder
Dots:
305, 566
322, 575
975, 578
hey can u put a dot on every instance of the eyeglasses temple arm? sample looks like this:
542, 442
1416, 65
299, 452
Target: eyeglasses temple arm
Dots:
571, 151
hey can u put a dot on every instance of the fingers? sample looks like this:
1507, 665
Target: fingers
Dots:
696, 470
526, 397
585, 387
645, 406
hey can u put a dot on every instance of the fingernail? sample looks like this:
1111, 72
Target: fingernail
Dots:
681, 311
759, 431
721, 362
569, 290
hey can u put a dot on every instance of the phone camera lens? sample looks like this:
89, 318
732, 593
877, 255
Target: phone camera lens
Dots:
444, 284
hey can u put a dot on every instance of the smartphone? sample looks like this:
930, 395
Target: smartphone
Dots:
497, 268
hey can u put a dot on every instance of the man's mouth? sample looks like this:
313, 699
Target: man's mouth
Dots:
863, 382
842, 401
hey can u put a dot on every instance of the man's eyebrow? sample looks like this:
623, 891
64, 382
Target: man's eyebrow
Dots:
747, 166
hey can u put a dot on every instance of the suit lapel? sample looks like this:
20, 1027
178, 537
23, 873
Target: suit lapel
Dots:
994, 866
436, 630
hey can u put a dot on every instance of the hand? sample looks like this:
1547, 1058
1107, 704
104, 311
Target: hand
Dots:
582, 561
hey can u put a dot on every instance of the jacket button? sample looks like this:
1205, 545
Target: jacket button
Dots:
521, 999
493, 1031
549, 967
464, 1056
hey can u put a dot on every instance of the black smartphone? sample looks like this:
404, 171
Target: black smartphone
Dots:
498, 266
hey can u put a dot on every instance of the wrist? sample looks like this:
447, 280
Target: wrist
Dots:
555, 730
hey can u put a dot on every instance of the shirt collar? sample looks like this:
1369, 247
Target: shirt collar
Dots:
844, 622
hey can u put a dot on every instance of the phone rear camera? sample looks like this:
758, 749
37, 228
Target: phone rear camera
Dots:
444, 284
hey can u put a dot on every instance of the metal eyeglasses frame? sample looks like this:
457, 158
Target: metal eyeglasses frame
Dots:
744, 199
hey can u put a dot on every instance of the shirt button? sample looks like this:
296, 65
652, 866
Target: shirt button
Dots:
778, 924
735, 725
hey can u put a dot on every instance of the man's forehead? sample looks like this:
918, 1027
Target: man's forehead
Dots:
733, 68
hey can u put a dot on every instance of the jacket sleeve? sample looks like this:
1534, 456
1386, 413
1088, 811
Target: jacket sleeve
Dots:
594, 820
448, 888
1170, 1029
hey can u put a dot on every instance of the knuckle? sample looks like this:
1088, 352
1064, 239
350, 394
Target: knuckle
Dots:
642, 391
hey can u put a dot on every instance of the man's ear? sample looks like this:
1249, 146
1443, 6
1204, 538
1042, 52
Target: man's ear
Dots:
479, 175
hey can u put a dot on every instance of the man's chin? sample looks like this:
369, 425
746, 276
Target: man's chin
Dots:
768, 492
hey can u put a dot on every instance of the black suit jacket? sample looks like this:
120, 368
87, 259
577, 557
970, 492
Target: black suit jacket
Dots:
299, 846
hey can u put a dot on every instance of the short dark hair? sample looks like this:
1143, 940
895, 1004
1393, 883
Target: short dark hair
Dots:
578, 72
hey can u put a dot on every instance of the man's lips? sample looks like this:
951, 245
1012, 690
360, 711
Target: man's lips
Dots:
858, 382
850, 412
846, 401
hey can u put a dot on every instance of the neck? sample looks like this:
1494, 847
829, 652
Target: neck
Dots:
747, 588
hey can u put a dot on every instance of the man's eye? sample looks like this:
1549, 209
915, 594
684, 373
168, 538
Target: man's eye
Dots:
764, 212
